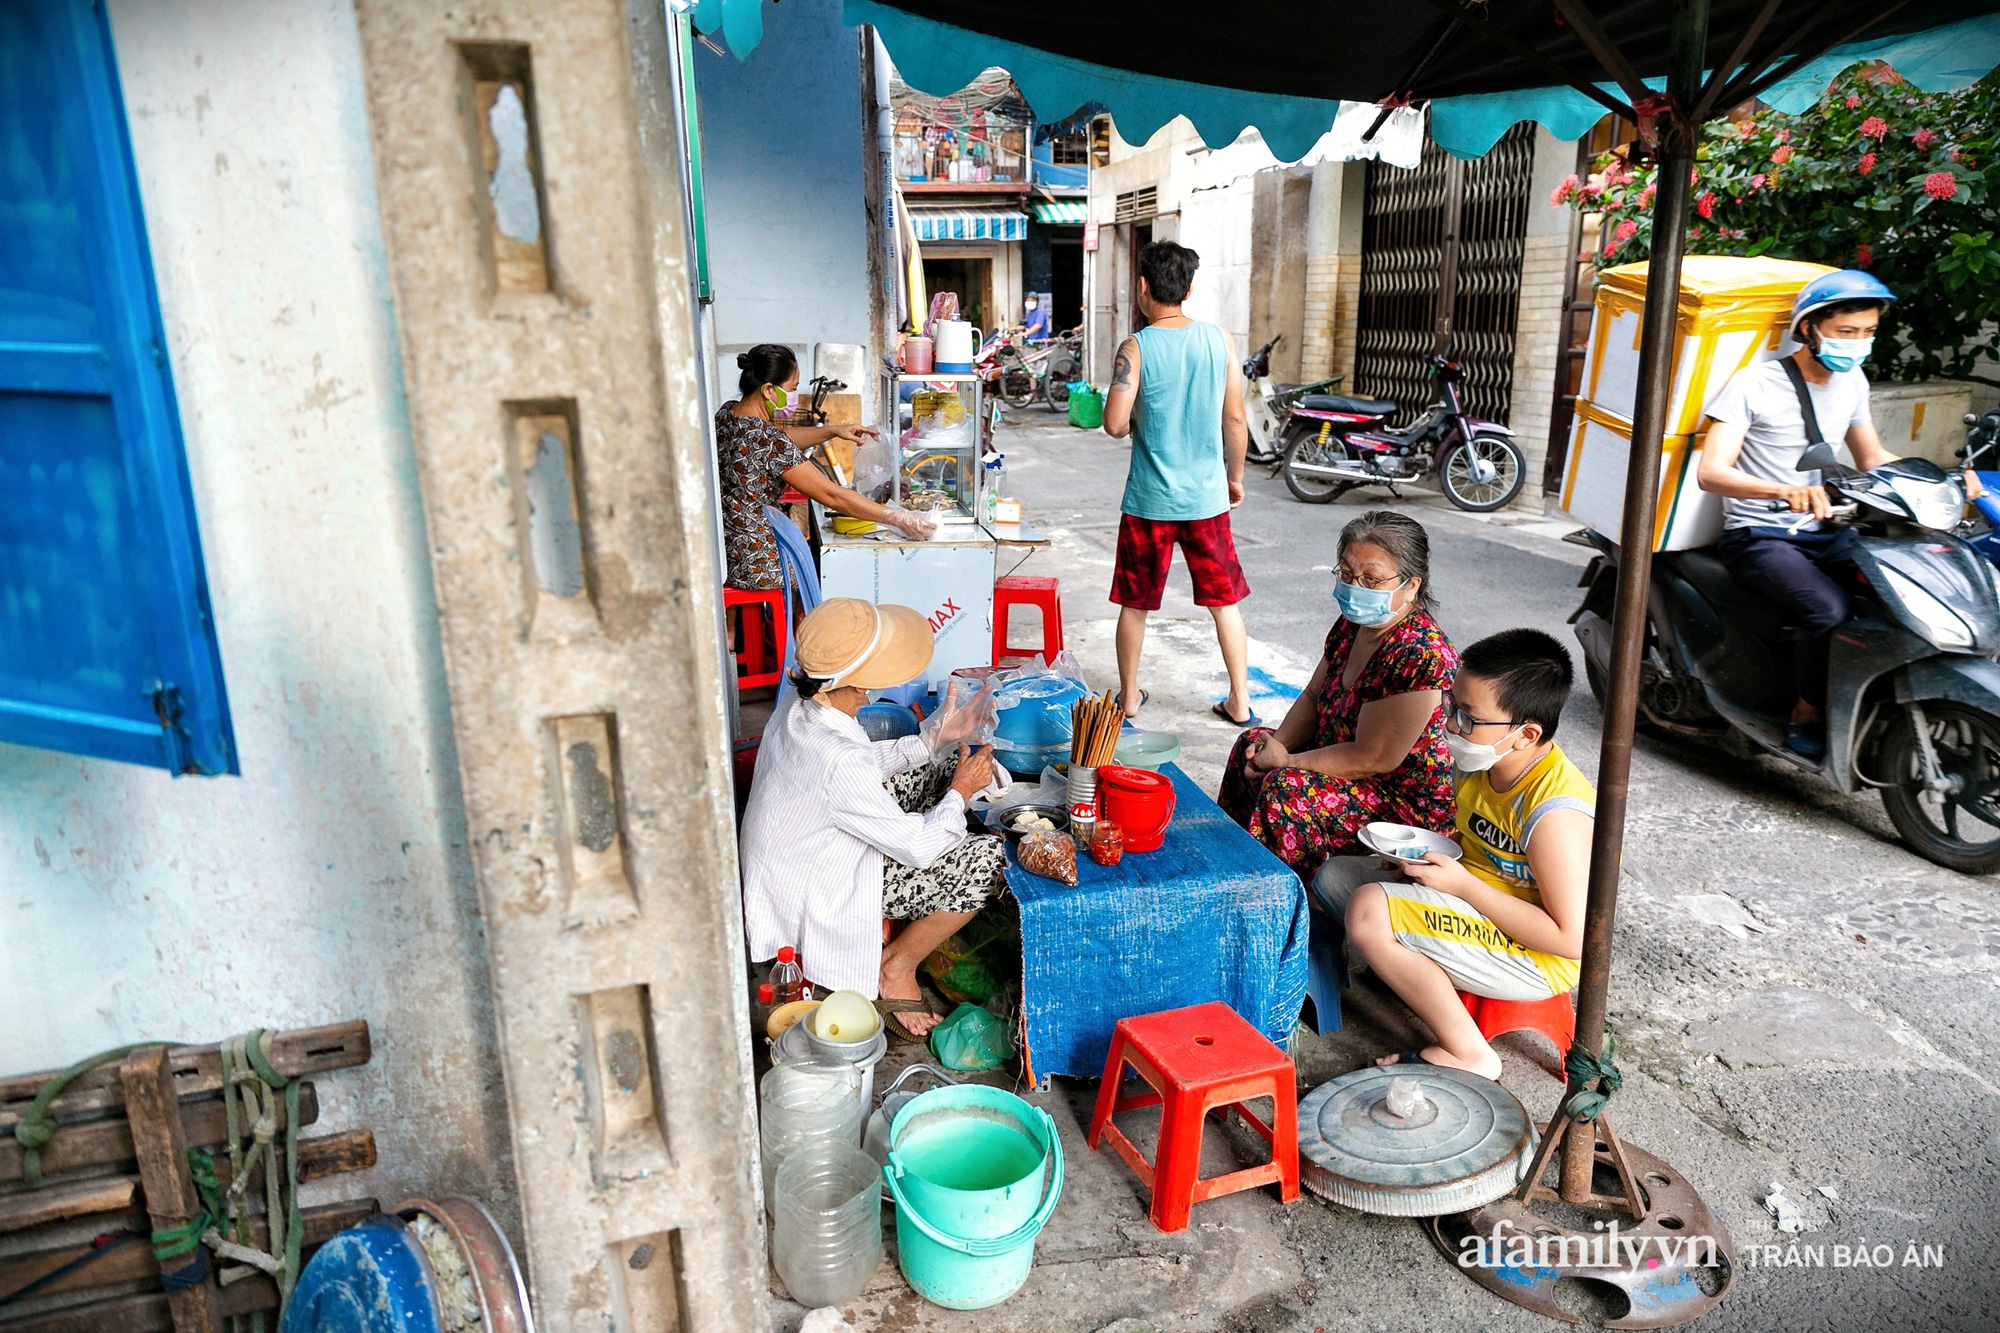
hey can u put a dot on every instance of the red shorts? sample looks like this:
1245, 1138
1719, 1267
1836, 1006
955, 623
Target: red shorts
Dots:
1146, 549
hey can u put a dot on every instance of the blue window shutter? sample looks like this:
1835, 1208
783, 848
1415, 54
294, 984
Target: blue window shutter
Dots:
107, 645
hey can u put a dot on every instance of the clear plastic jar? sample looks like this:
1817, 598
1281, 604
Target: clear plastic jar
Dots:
813, 1101
826, 1233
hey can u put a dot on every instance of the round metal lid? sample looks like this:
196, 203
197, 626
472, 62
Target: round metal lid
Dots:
1465, 1147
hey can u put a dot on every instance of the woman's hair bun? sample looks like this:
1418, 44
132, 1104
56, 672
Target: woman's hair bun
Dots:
743, 360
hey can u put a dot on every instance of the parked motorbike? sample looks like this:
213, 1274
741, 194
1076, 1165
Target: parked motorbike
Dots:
1333, 443
1913, 693
1021, 375
1982, 454
1269, 405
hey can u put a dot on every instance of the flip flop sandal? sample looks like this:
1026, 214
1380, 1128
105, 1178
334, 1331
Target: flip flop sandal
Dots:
1222, 712
1407, 1058
894, 1026
1144, 698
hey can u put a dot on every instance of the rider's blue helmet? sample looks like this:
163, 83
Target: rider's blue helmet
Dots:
1848, 284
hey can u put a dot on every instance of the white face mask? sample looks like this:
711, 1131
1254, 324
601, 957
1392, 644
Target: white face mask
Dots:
1469, 756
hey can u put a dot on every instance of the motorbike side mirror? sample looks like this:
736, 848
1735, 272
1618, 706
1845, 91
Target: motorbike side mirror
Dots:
1818, 457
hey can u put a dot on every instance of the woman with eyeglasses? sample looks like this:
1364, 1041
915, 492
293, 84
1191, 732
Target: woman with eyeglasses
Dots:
1365, 740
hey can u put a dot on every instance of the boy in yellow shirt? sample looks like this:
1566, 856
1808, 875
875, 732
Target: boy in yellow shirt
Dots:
1507, 920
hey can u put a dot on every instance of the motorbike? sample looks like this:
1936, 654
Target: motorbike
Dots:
1982, 454
1268, 405
1021, 375
1333, 443
1913, 692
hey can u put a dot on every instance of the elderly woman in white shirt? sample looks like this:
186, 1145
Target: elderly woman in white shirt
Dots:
842, 831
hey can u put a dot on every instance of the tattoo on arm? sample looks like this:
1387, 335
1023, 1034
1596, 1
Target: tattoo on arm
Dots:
1121, 369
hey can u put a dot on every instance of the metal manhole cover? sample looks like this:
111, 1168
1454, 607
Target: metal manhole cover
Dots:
1466, 1146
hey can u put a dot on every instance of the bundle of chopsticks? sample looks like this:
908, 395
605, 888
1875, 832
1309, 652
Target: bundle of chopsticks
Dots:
1093, 736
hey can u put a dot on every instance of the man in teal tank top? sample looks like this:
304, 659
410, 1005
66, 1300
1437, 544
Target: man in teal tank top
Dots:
1176, 391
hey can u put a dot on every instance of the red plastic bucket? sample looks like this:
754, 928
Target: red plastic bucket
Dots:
1137, 800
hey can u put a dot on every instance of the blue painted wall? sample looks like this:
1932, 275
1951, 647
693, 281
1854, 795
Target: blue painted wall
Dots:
784, 157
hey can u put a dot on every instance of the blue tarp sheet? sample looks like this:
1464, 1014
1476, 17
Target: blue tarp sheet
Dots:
1209, 916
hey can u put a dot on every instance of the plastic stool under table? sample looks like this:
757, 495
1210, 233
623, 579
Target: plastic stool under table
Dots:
1198, 1059
760, 661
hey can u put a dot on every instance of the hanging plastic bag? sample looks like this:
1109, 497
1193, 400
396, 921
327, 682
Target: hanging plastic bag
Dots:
874, 468
1034, 709
970, 1040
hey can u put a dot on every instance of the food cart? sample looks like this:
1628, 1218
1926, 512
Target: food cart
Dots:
936, 470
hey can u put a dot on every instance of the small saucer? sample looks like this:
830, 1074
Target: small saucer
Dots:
1416, 849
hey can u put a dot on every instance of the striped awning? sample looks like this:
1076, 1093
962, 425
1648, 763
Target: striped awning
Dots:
968, 224
1063, 212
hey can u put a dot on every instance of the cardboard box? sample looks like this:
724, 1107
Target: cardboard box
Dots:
1732, 312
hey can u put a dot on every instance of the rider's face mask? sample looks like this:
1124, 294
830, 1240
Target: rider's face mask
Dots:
1843, 354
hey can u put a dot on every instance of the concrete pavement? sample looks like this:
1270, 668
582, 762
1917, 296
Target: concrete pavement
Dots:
1797, 998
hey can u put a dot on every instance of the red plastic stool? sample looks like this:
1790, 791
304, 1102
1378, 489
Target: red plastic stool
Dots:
1027, 590
1198, 1059
1554, 1018
760, 659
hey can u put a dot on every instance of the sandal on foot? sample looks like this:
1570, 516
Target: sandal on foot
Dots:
1144, 697
1221, 710
1406, 1058
894, 1026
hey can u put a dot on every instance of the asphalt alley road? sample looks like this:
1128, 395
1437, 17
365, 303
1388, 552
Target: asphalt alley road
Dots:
1796, 998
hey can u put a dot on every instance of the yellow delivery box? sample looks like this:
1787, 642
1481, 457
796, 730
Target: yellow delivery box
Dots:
1731, 313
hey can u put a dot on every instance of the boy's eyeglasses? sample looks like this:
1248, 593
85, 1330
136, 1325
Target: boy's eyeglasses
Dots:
1459, 720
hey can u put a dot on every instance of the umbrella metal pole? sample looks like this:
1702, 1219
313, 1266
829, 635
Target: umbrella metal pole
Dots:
1635, 567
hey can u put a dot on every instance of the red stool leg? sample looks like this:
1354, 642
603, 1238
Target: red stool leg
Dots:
1052, 626
1107, 1091
1285, 1134
1001, 603
1177, 1161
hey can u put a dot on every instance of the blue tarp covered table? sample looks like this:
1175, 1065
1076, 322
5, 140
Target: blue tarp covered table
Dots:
1211, 915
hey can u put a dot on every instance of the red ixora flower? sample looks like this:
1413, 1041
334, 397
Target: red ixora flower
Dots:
1626, 231
1940, 185
1864, 255
1783, 135
1646, 197
1875, 127
1706, 204
1866, 164
1781, 154
1853, 101
1757, 181
1924, 138
1561, 192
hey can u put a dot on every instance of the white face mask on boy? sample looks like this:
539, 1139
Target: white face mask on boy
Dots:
1469, 756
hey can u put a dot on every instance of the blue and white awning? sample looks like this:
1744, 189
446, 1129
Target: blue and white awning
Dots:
968, 224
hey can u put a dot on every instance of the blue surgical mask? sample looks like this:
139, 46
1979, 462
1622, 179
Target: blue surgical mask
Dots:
1843, 354
1365, 606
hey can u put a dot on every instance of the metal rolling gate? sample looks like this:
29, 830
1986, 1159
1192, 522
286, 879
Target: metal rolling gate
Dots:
1441, 259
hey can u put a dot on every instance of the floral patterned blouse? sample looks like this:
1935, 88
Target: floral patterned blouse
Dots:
1414, 655
755, 455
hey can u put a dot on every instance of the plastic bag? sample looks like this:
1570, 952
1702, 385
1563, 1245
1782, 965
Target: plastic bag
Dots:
874, 468
1050, 855
971, 1039
1034, 706
966, 716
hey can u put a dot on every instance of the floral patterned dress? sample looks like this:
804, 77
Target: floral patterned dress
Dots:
1305, 817
755, 455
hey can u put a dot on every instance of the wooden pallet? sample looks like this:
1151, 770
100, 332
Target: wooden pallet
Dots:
118, 1163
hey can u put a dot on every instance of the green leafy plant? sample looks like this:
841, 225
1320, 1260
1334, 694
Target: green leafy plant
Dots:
1877, 176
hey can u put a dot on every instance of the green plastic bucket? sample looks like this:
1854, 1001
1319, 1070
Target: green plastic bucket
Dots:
1086, 405
965, 1169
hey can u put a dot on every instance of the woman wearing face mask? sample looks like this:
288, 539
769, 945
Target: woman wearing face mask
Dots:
760, 458
1750, 458
1365, 740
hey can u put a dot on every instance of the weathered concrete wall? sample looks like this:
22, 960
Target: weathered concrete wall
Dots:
1278, 267
589, 717
331, 880
784, 177
1333, 269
